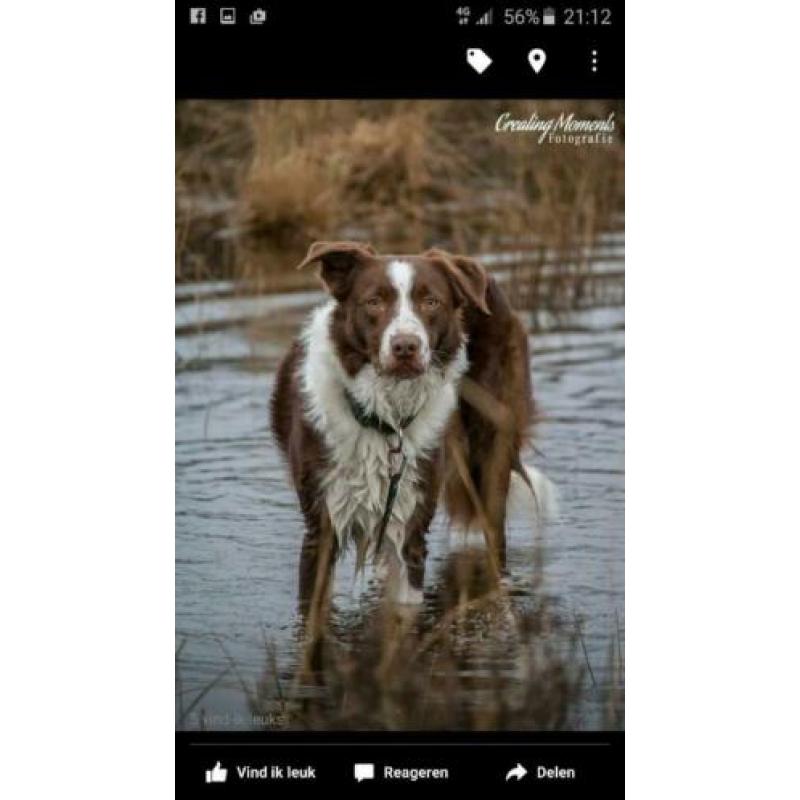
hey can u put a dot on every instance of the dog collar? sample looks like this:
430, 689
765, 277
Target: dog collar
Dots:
370, 420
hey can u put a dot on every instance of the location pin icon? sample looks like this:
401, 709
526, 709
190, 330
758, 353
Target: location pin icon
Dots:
536, 59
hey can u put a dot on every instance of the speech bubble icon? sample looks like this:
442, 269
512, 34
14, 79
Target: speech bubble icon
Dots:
363, 772
478, 60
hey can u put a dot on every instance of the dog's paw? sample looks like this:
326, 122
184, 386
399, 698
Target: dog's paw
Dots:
403, 594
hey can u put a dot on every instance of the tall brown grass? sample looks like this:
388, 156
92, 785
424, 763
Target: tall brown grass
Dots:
405, 175
477, 659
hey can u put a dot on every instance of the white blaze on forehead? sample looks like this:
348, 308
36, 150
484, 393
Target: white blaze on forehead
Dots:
404, 319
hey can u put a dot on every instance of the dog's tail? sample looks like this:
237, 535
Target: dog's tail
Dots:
532, 492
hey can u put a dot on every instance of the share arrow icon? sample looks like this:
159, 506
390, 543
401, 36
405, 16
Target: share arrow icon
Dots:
518, 772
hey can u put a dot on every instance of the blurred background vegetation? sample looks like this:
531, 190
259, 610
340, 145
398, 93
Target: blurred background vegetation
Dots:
258, 181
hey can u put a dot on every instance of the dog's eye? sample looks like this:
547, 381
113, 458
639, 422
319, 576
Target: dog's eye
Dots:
374, 303
431, 303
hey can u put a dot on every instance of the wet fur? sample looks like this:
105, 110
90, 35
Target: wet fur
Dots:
490, 439
340, 469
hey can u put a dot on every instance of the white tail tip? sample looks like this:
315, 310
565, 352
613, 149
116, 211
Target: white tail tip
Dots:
542, 502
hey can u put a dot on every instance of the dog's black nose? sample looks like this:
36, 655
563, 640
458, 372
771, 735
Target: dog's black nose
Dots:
405, 346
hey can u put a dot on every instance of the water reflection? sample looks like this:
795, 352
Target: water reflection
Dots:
543, 652
473, 657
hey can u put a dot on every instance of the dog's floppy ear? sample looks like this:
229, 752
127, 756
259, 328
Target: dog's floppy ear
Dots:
467, 276
339, 261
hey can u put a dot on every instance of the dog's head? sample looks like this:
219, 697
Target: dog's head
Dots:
402, 314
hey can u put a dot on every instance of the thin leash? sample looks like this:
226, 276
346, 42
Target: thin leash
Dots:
397, 458
396, 455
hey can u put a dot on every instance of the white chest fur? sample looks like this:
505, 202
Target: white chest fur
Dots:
356, 482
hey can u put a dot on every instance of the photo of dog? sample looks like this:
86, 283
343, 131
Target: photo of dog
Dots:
399, 416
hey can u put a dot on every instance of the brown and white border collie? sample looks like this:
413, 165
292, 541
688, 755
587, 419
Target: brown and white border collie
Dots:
416, 367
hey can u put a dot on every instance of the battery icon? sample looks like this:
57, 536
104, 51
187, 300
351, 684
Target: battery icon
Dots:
549, 16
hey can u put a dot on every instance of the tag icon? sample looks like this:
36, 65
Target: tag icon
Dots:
536, 59
478, 60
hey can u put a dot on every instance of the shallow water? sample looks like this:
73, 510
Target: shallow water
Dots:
238, 528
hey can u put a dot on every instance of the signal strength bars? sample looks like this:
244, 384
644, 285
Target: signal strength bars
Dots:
485, 19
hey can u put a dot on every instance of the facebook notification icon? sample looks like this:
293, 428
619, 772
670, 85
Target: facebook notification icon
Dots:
197, 16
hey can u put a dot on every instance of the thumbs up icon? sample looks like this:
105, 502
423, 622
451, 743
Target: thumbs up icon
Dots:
217, 775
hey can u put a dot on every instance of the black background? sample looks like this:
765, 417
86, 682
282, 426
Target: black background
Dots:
381, 50
475, 761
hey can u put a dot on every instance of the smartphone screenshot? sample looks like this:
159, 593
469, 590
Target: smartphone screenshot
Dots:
400, 398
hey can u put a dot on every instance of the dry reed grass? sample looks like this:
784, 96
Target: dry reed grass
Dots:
477, 657
405, 175
478, 660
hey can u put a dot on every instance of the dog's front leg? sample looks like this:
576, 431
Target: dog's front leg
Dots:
317, 558
414, 552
